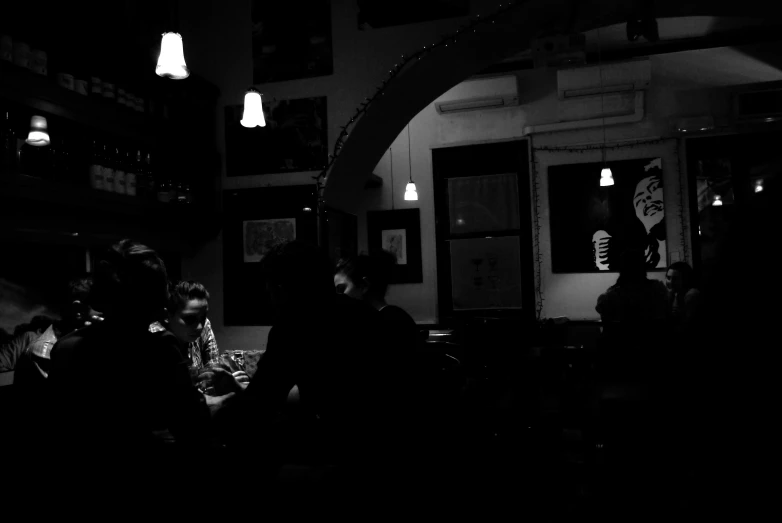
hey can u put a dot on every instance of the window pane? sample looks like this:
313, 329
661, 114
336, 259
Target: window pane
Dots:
486, 273
483, 203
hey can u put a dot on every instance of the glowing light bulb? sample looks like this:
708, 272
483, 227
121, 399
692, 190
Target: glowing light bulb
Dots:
759, 186
717, 200
606, 178
39, 132
253, 110
171, 62
410, 193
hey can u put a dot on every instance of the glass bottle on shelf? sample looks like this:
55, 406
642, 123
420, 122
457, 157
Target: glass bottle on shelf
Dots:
131, 175
108, 169
164, 191
119, 172
151, 178
142, 189
96, 167
8, 161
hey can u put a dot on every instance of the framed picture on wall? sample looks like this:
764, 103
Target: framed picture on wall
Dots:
398, 232
261, 235
255, 220
592, 225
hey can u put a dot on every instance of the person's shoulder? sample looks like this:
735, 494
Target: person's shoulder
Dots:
396, 314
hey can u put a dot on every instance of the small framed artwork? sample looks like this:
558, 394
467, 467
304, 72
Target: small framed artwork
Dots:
398, 232
262, 235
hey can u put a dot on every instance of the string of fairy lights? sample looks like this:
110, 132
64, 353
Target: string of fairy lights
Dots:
406, 59
683, 227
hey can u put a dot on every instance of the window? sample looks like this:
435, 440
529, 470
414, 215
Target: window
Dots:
484, 246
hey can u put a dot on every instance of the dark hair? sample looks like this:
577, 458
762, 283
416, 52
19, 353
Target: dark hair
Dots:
300, 268
79, 288
376, 268
632, 269
37, 324
181, 292
131, 278
687, 272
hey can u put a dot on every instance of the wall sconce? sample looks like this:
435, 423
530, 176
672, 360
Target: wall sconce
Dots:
171, 62
717, 200
253, 109
39, 132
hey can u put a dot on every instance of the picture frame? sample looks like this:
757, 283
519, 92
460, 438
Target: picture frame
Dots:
399, 232
254, 221
592, 225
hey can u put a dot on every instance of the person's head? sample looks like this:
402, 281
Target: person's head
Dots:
648, 201
37, 324
130, 284
297, 274
188, 306
365, 277
632, 269
679, 277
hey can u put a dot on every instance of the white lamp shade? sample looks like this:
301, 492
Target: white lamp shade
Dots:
759, 186
171, 62
253, 110
410, 192
39, 132
717, 200
606, 178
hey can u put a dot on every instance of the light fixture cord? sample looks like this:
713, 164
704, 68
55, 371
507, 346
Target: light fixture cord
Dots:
391, 155
602, 94
409, 153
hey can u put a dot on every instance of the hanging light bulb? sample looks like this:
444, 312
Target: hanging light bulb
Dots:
759, 186
410, 193
253, 109
39, 132
171, 62
606, 178
717, 200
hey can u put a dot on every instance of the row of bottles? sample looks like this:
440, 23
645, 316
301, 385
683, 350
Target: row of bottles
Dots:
106, 167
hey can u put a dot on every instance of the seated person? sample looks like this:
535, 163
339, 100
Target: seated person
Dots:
366, 278
187, 310
633, 311
115, 386
684, 298
328, 345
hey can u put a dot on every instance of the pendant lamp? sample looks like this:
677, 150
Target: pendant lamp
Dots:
171, 62
39, 132
253, 109
410, 193
606, 177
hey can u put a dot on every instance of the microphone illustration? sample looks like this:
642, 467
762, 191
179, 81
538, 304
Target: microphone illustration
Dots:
601, 244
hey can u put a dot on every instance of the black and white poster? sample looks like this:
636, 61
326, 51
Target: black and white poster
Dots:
592, 225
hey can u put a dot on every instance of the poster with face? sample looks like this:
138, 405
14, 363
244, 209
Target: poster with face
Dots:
261, 235
592, 225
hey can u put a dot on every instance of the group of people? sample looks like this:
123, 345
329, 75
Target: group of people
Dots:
122, 399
